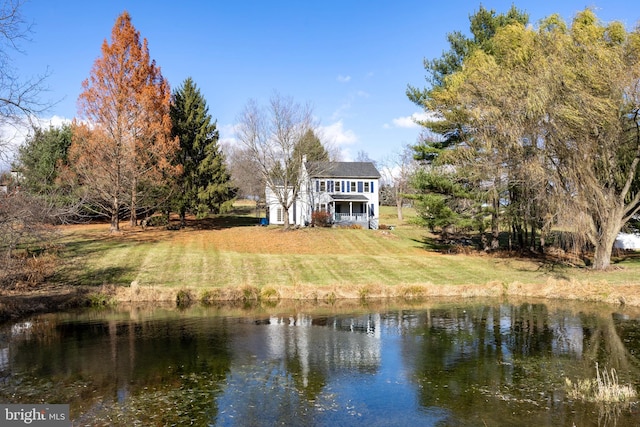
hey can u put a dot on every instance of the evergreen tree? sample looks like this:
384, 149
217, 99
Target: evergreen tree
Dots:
447, 199
43, 165
41, 158
310, 147
204, 184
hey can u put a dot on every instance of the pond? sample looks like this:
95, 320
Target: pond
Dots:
440, 363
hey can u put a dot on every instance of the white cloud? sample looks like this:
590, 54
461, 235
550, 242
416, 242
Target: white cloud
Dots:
409, 122
343, 79
13, 135
227, 135
345, 155
55, 121
336, 134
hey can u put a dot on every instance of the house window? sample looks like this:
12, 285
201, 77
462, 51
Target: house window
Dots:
353, 186
279, 216
337, 186
323, 186
366, 187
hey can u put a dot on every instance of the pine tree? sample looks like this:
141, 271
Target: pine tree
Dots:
311, 148
41, 158
204, 185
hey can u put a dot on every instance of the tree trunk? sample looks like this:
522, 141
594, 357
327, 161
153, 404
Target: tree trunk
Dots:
183, 216
532, 244
399, 207
603, 243
495, 217
285, 213
134, 203
115, 215
602, 253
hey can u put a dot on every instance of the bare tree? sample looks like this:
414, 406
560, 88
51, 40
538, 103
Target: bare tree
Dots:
26, 231
243, 166
363, 156
270, 135
19, 97
397, 171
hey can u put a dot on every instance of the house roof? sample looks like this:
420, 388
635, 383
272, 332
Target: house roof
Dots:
342, 170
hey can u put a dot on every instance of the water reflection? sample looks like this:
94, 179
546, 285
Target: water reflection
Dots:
437, 364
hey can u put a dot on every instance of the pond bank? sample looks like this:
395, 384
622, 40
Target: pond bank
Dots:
50, 299
14, 305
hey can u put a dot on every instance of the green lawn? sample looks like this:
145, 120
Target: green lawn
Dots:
232, 251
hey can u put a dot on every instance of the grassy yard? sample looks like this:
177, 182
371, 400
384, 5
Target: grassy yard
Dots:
233, 252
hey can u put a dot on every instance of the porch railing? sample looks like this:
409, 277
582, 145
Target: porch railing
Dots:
354, 217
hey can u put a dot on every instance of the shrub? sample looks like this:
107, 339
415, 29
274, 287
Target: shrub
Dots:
183, 298
269, 293
413, 292
331, 298
250, 293
157, 221
100, 300
320, 219
209, 296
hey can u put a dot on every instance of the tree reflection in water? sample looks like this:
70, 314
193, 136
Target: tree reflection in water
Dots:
437, 364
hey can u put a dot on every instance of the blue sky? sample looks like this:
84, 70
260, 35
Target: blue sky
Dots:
351, 60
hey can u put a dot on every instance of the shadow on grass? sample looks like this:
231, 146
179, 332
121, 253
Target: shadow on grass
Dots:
433, 244
76, 275
220, 222
553, 268
625, 256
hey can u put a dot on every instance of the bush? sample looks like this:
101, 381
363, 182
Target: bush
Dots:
184, 298
269, 293
320, 219
157, 221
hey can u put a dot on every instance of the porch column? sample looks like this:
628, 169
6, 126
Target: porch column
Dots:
351, 209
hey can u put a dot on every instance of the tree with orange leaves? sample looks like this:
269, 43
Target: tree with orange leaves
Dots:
122, 150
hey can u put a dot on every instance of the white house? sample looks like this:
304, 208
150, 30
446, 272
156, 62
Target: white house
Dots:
348, 191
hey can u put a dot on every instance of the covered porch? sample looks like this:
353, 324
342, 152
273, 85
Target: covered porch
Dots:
351, 209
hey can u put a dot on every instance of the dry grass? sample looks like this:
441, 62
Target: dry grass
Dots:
604, 389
